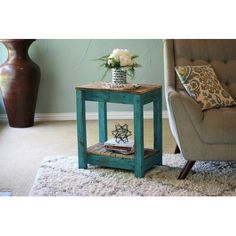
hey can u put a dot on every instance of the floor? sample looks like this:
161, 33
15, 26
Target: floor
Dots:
22, 150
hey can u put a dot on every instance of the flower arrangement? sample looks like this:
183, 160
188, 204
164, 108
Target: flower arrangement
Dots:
120, 59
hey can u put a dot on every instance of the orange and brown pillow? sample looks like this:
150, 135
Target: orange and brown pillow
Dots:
202, 84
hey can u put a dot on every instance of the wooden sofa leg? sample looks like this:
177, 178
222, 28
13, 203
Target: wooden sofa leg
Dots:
177, 150
188, 166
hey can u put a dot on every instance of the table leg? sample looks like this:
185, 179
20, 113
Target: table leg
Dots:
138, 137
81, 131
157, 125
102, 111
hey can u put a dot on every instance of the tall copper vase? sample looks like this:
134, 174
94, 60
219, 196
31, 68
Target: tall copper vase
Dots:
19, 82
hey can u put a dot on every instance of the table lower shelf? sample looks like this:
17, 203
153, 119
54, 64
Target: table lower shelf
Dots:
98, 155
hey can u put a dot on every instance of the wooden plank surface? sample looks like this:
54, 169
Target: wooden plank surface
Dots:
98, 149
100, 86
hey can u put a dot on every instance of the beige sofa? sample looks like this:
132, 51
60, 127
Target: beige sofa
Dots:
201, 135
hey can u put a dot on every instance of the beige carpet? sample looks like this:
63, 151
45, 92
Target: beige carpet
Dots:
23, 150
60, 176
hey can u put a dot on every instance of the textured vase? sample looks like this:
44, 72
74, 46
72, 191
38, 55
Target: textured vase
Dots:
19, 82
119, 77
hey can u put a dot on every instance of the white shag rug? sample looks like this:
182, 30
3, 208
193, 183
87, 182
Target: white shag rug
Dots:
60, 176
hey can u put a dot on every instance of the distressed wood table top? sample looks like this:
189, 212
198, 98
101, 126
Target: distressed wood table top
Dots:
100, 86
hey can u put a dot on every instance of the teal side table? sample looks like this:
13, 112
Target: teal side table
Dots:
143, 159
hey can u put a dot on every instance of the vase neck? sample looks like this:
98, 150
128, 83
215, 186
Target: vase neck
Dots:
17, 50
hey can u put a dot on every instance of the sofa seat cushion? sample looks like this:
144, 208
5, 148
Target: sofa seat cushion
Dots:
218, 126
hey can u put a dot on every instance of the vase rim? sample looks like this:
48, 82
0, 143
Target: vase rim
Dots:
119, 69
15, 40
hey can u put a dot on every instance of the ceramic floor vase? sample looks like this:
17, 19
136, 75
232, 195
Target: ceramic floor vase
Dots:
19, 82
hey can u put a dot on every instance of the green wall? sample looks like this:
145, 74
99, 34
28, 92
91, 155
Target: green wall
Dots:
66, 63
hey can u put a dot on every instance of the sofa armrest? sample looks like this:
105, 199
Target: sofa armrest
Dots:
180, 100
184, 118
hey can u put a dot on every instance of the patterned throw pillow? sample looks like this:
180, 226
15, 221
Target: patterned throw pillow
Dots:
202, 84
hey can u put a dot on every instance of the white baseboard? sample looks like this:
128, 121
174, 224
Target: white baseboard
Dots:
113, 115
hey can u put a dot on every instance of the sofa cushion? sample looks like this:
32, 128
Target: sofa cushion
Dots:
213, 126
202, 84
218, 126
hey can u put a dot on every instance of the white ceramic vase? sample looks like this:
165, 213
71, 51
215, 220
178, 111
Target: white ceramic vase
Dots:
119, 77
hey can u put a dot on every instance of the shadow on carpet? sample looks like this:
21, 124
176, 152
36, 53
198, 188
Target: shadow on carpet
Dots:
60, 176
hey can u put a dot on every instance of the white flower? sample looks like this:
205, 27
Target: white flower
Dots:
127, 53
125, 61
109, 62
120, 52
123, 56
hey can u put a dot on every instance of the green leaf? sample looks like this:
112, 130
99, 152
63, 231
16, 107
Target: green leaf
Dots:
103, 64
134, 56
131, 73
137, 65
105, 73
106, 56
103, 58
